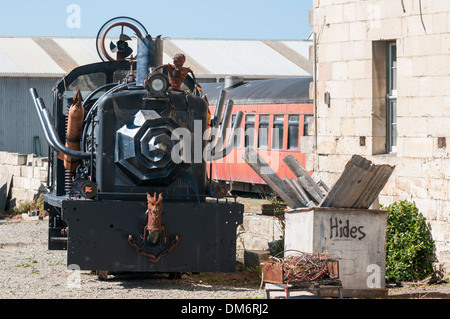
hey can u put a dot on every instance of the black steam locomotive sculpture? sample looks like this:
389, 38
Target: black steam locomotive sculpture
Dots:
128, 184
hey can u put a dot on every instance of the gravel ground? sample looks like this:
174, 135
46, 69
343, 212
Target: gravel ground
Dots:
28, 270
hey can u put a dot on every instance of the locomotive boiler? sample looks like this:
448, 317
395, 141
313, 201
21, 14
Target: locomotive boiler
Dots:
130, 139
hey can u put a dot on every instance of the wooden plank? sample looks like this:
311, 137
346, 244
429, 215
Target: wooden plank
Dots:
5, 185
304, 178
298, 186
295, 191
259, 165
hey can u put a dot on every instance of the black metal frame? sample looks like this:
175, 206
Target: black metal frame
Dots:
95, 232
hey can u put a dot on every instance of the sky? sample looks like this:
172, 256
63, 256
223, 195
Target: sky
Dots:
224, 19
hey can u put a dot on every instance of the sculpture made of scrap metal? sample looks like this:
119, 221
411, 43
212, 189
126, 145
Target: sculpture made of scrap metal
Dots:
154, 226
114, 133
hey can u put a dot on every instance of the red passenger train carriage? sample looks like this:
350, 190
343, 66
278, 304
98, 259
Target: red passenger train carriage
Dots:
277, 114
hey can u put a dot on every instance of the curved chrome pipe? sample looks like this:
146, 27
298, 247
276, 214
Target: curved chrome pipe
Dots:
35, 97
48, 126
217, 117
213, 155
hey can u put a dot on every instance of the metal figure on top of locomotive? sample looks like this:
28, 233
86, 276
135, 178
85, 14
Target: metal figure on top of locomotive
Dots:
177, 74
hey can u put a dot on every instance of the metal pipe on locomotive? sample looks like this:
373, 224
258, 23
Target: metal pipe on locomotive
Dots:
119, 199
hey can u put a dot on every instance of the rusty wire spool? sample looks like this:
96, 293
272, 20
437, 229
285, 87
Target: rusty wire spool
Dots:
300, 267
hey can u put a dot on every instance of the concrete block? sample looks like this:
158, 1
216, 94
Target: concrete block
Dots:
26, 171
339, 70
385, 29
17, 182
341, 32
362, 88
438, 126
437, 64
408, 167
418, 147
334, 13
358, 31
429, 44
358, 237
348, 51
27, 184
326, 145
332, 52
411, 127
325, 71
440, 86
349, 12
13, 159
439, 22
348, 145
35, 184
253, 258
358, 69
30, 159
363, 126
348, 126
363, 50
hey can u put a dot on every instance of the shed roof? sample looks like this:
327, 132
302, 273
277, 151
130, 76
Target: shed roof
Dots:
208, 58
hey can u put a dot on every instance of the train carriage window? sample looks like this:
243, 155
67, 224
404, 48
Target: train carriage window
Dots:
263, 131
277, 132
307, 123
293, 130
249, 130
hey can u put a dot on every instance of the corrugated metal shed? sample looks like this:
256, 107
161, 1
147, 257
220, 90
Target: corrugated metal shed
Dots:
40, 62
25, 57
19, 123
252, 58
208, 58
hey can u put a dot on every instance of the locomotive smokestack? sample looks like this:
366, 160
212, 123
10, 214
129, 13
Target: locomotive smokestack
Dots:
144, 58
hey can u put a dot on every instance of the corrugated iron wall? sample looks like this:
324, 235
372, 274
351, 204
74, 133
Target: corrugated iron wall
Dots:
18, 119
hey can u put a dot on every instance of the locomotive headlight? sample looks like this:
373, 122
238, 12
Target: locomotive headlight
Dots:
157, 84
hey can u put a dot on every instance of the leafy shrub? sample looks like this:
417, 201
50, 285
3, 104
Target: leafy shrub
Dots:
408, 243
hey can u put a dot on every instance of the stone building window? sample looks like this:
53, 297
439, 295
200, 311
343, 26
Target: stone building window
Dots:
384, 97
391, 102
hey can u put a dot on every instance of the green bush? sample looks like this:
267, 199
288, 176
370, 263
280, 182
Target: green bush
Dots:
408, 243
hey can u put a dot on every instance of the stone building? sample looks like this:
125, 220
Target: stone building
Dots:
382, 91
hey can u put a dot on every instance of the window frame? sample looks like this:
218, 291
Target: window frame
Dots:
391, 98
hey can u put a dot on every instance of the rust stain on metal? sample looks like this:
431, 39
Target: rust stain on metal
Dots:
291, 55
74, 131
333, 269
273, 273
56, 53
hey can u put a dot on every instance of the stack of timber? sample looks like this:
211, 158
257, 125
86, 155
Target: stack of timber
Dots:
359, 185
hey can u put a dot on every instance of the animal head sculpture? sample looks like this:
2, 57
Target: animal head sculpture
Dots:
154, 202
